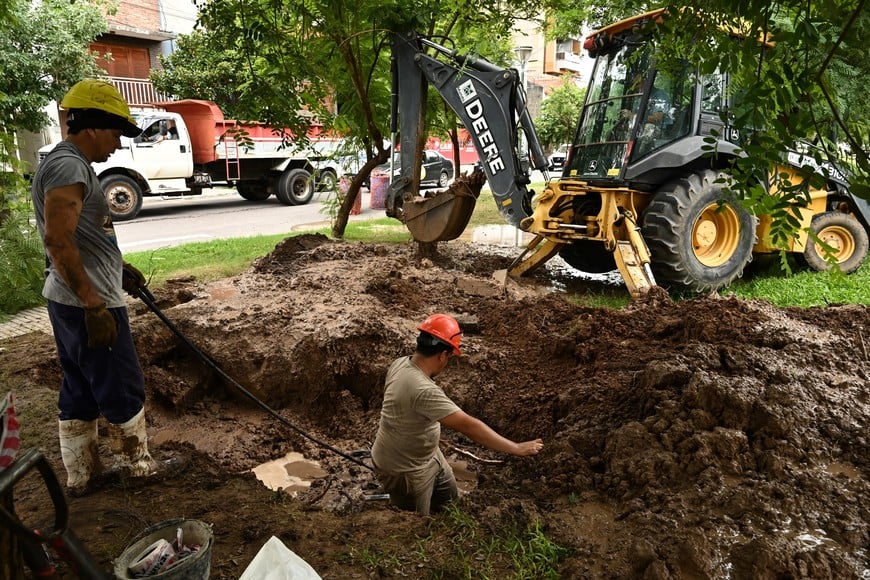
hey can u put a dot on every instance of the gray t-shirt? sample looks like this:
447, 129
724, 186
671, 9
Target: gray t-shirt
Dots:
409, 429
95, 235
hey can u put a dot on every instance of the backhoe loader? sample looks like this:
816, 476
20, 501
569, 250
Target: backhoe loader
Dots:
639, 191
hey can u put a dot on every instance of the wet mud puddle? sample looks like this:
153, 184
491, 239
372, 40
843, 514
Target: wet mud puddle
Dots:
292, 473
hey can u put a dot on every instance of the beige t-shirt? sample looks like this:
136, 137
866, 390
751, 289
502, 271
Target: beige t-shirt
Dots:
409, 429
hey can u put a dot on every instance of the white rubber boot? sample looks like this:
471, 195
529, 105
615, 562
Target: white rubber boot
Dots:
79, 452
129, 442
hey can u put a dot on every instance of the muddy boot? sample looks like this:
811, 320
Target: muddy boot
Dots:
129, 443
80, 454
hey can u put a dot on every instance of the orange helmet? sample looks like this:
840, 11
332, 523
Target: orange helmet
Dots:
445, 328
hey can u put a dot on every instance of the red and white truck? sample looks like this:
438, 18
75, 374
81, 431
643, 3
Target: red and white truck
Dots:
187, 146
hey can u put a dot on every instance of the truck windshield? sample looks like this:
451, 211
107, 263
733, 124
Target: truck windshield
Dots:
626, 116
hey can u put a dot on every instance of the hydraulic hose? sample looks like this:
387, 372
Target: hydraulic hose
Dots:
148, 298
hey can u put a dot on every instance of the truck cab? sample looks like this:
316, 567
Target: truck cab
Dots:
188, 145
162, 150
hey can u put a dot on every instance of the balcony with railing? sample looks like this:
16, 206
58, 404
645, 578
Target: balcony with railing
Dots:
138, 92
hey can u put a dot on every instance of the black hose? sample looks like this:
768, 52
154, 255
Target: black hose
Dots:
148, 298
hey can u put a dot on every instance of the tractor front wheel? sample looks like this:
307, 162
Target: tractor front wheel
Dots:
699, 236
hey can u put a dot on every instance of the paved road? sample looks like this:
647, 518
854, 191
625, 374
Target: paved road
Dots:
219, 213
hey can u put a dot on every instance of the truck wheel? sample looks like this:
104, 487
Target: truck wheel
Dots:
328, 180
695, 243
845, 234
124, 196
253, 191
295, 187
443, 179
588, 256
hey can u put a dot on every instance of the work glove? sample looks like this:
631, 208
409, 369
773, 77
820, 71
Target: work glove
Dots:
132, 280
101, 327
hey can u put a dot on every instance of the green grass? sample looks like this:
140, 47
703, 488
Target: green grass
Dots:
458, 546
806, 288
203, 260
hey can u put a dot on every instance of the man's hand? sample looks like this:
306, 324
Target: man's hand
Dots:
132, 280
527, 448
101, 327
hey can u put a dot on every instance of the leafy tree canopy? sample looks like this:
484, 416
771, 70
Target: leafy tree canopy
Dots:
203, 66
43, 51
328, 60
560, 114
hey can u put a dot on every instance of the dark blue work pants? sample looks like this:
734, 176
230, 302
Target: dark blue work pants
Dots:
96, 381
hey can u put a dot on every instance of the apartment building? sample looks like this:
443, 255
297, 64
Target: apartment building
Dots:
545, 62
139, 32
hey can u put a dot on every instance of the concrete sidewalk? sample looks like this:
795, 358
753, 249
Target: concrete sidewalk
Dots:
26, 321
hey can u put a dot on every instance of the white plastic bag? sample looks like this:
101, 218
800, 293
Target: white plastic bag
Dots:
275, 561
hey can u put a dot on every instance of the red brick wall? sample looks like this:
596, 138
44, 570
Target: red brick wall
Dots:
138, 14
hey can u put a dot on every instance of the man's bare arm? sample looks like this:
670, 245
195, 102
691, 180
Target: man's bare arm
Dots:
63, 207
486, 436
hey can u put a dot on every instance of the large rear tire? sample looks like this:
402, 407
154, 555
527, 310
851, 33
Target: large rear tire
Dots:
845, 234
253, 191
123, 195
696, 243
295, 187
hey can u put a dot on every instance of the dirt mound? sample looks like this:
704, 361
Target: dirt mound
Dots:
713, 437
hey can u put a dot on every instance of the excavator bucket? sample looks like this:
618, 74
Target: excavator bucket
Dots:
444, 215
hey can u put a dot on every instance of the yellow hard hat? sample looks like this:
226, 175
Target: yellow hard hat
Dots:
102, 96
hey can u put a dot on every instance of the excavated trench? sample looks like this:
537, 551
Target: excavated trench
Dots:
713, 437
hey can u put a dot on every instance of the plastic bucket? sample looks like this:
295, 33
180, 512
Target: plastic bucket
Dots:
196, 566
380, 183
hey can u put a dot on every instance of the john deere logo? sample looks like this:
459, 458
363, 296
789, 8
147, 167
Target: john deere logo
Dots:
593, 165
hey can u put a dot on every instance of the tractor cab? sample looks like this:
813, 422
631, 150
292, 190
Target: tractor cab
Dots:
636, 116
631, 108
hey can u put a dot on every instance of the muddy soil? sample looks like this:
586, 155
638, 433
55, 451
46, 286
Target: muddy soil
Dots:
709, 438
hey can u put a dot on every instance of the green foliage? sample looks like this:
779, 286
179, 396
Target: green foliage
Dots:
560, 113
267, 72
203, 66
805, 87
806, 288
21, 255
44, 51
21, 264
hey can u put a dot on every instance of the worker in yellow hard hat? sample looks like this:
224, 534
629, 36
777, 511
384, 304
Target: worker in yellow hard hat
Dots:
85, 282
406, 457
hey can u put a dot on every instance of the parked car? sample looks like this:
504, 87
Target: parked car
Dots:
437, 169
557, 160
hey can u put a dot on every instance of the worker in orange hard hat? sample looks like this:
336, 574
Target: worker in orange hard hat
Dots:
85, 282
407, 459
